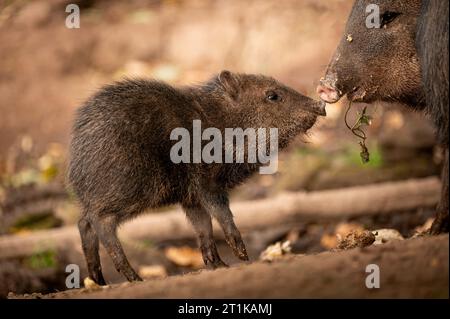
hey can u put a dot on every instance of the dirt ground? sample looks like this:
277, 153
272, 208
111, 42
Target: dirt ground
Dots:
415, 268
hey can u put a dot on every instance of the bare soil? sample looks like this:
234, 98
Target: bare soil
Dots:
414, 268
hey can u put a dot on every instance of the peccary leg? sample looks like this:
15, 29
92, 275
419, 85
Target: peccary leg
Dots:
105, 227
440, 224
201, 221
232, 235
218, 207
89, 242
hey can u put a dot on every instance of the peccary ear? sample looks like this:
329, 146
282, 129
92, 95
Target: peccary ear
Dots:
229, 82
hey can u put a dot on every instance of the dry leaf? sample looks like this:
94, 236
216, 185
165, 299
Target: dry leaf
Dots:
356, 239
329, 241
152, 271
276, 251
385, 235
344, 229
425, 227
184, 256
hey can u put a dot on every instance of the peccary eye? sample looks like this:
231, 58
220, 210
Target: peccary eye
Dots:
388, 17
272, 96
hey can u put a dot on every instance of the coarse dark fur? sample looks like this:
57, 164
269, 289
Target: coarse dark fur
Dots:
432, 47
405, 61
120, 161
373, 64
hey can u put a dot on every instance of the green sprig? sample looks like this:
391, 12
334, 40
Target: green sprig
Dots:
357, 129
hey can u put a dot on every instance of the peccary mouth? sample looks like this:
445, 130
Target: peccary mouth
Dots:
358, 94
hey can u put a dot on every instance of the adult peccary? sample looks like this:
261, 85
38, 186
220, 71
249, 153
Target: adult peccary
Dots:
403, 60
120, 155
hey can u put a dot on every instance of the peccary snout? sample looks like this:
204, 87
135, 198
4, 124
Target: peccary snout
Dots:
327, 92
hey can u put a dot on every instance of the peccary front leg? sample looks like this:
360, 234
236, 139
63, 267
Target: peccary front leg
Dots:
89, 243
201, 221
440, 224
217, 206
105, 227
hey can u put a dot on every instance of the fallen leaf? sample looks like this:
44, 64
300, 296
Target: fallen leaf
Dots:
184, 256
385, 235
425, 227
152, 271
356, 239
276, 251
329, 241
344, 229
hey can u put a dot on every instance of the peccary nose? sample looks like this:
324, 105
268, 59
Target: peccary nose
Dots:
327, 92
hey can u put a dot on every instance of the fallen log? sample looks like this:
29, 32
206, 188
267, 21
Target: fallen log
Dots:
377, 199
27, 201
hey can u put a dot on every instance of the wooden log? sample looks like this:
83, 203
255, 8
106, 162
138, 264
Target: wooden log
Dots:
385, 198
27, 201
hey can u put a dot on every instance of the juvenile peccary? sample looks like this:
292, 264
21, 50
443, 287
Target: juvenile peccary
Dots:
404, 60
120, 155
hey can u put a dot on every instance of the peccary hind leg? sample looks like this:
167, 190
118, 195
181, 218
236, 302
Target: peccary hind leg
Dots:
105, 227
440, 224
201, 221
89, 242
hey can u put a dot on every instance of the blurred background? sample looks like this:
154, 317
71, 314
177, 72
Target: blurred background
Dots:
48, 70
